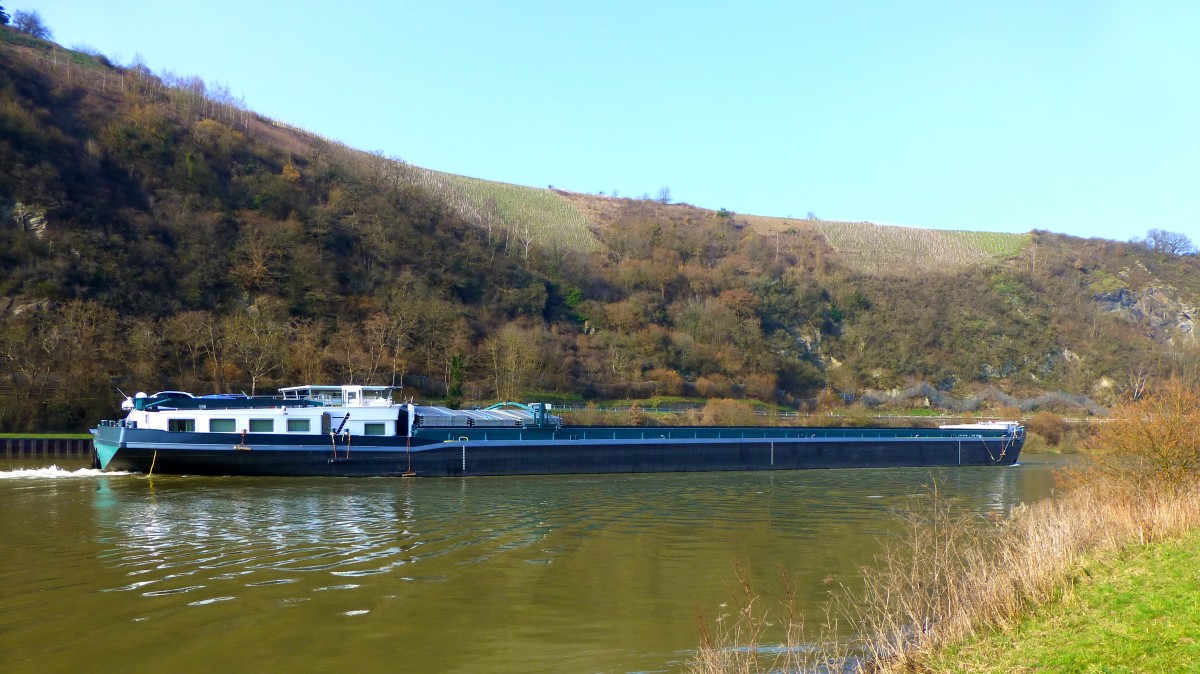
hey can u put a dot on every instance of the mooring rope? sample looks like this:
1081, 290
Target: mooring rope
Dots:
408, 444
988, 450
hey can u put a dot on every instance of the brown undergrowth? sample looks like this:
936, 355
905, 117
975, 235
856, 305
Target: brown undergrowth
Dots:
952, 574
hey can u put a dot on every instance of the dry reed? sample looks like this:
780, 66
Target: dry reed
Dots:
733, 641
952, 574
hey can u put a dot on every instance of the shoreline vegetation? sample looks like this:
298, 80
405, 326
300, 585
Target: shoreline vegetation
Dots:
156, 234
954, 582
1136, 614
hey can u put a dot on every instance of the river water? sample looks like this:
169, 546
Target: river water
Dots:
514, 574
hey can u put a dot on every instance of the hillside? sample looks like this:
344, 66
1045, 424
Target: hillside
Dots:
155, 234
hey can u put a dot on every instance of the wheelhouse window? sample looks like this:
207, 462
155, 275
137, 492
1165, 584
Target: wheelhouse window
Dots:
181, 425
222, 425
298, 425
262, 425
374, 429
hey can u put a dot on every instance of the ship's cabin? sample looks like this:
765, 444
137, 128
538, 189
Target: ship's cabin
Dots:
352, 395
301, 410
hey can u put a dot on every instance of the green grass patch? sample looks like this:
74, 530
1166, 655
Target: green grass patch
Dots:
996, 244
45, 436
885, 250
920, 412
526, 214
654, 401
553, 397
1137, 613
12, 36
1103, 282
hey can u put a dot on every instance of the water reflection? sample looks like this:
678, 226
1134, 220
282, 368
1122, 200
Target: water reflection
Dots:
588, 573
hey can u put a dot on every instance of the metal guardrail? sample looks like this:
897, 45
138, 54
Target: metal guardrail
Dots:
784, 414
44, 448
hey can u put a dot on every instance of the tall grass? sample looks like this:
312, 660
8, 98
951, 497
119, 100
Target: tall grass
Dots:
952, 574
527, 215
892, 251
745, 620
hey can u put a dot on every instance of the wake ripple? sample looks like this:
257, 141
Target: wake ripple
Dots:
53, 472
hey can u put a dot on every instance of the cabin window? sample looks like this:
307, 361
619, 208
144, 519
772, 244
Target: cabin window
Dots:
298, 425
262, 425
222, 425
181, 425
373, 429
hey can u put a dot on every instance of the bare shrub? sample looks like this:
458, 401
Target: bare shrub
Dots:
588, 416
1048, 425
666, 382
952, 573
714, 386
1035, 443
857, 416
761, 386
1153, 440
636, 416
726, 412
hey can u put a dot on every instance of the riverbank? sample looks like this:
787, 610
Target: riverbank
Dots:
1136, 611
951, 576
44, 445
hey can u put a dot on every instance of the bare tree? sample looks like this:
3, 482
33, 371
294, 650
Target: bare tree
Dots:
513, 352
1172, 243
145, 340
31, 24
664, 195
305, 353
1139, 379
256, 344
526, 237
187, 337
349, 360
386, 338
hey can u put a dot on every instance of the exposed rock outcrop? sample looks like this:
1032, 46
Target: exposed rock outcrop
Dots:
24, 217
1167, 316
971, 403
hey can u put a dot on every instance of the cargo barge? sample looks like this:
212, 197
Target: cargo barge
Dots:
361, 431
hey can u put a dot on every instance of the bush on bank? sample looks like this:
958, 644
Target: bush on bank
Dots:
952, 575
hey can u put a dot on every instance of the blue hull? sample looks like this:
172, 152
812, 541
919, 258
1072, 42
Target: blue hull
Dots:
546, 451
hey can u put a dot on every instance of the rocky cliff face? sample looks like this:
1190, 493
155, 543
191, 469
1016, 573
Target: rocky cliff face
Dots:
1170, 318
25, 218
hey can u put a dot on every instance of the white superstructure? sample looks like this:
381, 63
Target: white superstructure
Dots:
1014, 427
352, 409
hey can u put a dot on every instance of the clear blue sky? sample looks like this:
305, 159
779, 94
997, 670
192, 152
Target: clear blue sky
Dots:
1077, 117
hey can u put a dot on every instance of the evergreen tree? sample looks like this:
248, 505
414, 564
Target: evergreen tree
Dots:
454, 395
3, 16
